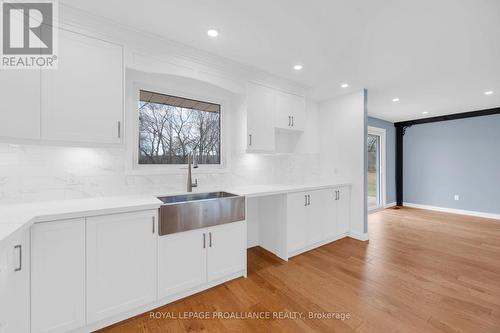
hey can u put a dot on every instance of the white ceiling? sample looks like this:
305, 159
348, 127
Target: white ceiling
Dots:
437, 56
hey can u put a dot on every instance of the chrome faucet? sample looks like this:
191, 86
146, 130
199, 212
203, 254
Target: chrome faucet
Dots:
190, 183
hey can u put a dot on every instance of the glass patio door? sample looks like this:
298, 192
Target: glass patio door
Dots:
374, 171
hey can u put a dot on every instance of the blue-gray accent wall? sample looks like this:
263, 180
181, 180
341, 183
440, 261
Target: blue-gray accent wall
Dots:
454, 157
390, 155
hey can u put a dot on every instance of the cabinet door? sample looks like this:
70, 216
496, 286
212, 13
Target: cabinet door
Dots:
226, 250
317, 215
290, 111
82, 101
15, 285
329, 213
20, 104
344, 209
297, 211
260, 118
121, 263
182, 262
58, 276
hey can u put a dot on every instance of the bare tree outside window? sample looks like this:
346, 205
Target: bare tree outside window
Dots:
172, 127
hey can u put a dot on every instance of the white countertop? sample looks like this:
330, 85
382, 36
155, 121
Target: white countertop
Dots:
21, 216
264, 190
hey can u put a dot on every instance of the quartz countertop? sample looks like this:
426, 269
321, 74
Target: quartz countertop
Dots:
18, 217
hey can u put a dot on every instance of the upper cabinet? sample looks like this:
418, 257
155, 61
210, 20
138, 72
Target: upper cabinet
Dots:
290, 111
269, 109
260, 111
20, 104
82, 100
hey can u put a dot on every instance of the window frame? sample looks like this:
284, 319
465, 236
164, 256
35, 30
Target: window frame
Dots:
137, 168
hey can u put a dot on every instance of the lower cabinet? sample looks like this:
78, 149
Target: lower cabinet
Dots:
182, 261
58, 276
15, 284
192, 258
314, 217
89, 269
226, 250
121, 263
343, 205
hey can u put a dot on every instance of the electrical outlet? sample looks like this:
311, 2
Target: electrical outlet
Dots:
457, 197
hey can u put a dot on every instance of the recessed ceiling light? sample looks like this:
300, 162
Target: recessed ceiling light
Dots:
425, 112
298, 67
213, 33
395, 100
489, 92
344, 85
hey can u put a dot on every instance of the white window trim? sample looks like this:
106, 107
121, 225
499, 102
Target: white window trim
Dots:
383, 191
134, 167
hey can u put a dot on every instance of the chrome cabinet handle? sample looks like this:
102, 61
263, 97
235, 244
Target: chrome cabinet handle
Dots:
289, 121
210, 239
17, 269
308, 200
119, 129
305, 198
153, 224
204, 240
293, 121
249, 139
338, 195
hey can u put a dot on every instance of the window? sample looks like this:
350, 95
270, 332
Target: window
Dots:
171, 128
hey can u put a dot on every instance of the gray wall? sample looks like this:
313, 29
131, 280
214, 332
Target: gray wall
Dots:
390, 178
454, 157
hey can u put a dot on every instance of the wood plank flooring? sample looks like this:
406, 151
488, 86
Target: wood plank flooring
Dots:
421, 271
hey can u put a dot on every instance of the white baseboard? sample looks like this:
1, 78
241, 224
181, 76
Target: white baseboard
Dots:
359, 236
454, 211
389, 205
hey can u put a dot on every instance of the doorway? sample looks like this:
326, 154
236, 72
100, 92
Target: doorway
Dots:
376, 168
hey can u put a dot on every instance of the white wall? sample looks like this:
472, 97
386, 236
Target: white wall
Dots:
342, 148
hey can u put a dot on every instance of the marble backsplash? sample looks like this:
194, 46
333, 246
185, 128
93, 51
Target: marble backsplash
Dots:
34, 173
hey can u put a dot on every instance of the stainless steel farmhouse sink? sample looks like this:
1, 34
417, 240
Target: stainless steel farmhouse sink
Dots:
199, 210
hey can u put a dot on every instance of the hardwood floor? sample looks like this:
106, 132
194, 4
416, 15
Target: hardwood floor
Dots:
421, 271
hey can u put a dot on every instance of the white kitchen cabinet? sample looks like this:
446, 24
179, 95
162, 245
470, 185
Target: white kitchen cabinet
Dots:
331, 211
20, 104
297, 219
307, 217
182, 261
194, 258
226, 250
315, 217
260, 118
58, 276
290, 111
121, 263
343, 208
82, 100
15, 284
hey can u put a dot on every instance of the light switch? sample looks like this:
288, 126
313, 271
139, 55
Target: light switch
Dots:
457, 197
